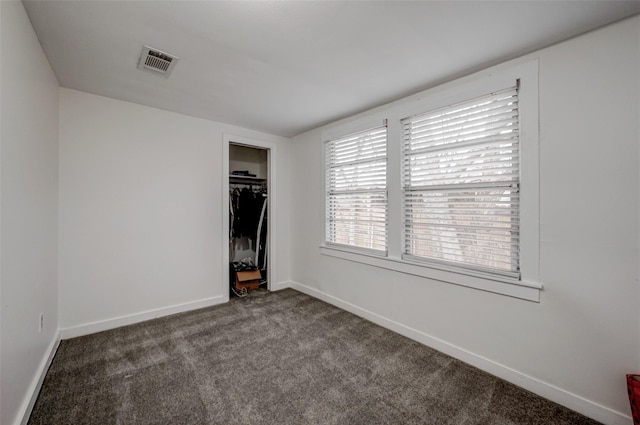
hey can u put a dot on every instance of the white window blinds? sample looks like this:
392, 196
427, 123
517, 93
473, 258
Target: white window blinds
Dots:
356, 190
461, 184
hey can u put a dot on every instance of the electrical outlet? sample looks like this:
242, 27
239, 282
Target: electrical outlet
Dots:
41, 323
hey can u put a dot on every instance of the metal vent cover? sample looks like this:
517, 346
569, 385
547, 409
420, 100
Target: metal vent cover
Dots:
157, 61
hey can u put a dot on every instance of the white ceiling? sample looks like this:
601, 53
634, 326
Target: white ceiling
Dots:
286, 67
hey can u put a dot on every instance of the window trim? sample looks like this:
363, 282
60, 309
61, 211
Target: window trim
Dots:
361, 128
522, 289
528, 287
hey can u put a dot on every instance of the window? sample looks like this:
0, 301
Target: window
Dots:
461, 199
356, 190
461, 179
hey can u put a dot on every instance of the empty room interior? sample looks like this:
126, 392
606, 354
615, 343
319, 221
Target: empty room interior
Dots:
417, 183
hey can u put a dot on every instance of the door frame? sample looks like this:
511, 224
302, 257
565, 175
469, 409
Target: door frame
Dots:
272, 205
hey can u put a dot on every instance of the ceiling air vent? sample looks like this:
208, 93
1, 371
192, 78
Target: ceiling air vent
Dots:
157, 61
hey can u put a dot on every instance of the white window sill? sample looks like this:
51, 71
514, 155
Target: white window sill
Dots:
529, 291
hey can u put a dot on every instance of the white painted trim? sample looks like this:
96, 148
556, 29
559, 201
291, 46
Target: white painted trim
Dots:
551, 392
224, 201
335, 132
524, 290
272, 204
36, 384
116, 322
281, 285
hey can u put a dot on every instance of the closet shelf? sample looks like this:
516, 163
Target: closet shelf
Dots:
242, 179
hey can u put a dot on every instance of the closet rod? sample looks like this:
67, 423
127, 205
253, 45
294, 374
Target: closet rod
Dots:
261, 186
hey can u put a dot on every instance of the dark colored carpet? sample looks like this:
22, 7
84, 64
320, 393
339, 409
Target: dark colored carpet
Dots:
274, 358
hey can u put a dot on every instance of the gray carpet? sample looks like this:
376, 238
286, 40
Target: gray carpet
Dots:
274, 358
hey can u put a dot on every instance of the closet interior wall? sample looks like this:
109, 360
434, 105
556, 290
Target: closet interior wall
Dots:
248, 183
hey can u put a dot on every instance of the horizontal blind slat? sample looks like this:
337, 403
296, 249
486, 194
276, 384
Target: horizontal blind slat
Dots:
462, 108
479, 130
497, 113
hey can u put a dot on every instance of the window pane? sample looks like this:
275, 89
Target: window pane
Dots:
356, 185
478, 227
460, 183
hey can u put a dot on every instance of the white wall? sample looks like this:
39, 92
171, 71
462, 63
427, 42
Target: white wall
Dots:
577, 344
29, 196
140, 211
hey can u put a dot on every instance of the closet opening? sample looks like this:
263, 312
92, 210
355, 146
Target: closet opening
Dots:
249, 206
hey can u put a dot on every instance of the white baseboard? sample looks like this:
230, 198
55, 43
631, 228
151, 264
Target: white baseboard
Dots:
36, 384
281, 285
558, 395
103, 325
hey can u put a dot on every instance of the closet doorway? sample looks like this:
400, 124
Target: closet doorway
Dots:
249, 178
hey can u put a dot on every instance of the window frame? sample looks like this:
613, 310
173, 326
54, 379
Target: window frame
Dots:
528, 286
376, 127
425, 187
